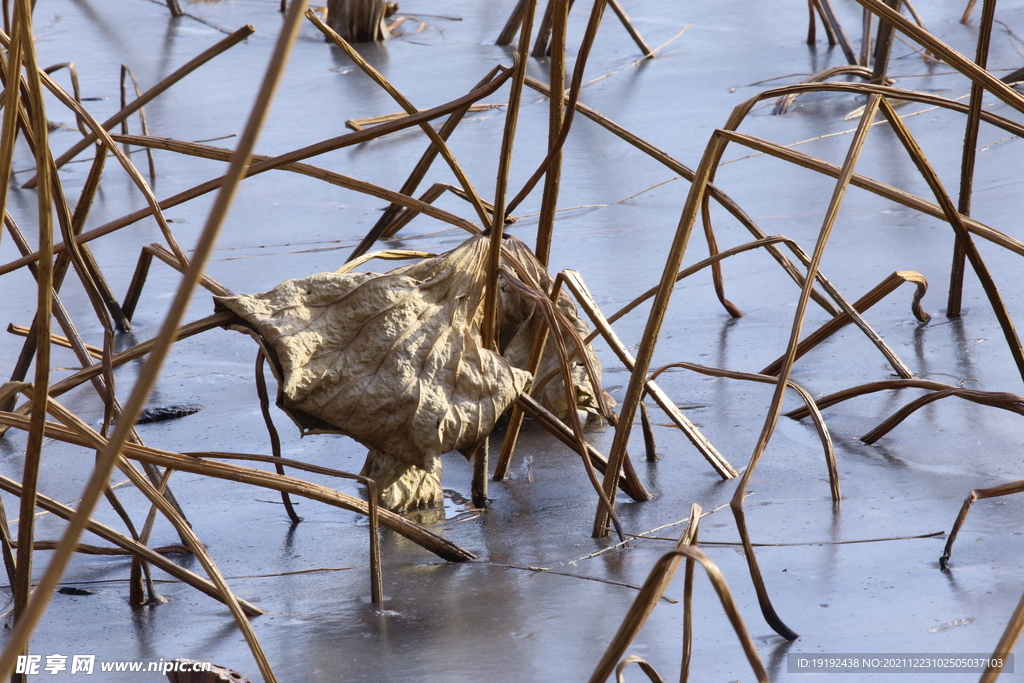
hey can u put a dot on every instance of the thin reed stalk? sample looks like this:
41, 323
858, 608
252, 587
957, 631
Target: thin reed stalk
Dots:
837, 29
183, 528
996, 399
25, 54
559, 10
883, 46
629, 482
589, 35
496, 227
819, 421
603, 327
638, 377
972, 497
387, 224
275, 440
879, 292
547, 309
127, 71
489, 326
962, 64
128, 545
659, 155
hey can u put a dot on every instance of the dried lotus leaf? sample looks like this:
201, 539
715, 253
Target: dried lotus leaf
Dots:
393, 360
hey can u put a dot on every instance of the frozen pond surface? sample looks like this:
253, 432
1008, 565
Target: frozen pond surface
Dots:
494, 619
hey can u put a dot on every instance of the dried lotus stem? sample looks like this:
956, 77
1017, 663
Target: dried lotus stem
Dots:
996, 399
956, 278
275, 440
974, 495
879, 292
960, 229
819, 421
385, 224
1006, 643
651, 591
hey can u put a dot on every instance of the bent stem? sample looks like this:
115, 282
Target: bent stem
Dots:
775, 409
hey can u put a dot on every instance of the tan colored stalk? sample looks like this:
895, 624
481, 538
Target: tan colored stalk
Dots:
589, 35
128, 545
688, 538
1007, 401
275, 439
9, 128
496, 226
104, 137
514, 21
630, 29
659, 577
996, 399
559, 10
775, 409
57, 340
956, 277
899, 196
183, 528
515, 420
221, 154
390, 220
489, 326
127, 71
1006, 643
972, 497
883, 46
819, 421
962, 64
645, 666
37, 123
108, 457
837, 29
648, 341
547, 309
575, 284
628, 482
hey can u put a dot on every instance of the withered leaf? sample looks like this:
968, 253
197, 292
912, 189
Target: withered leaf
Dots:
393, 360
